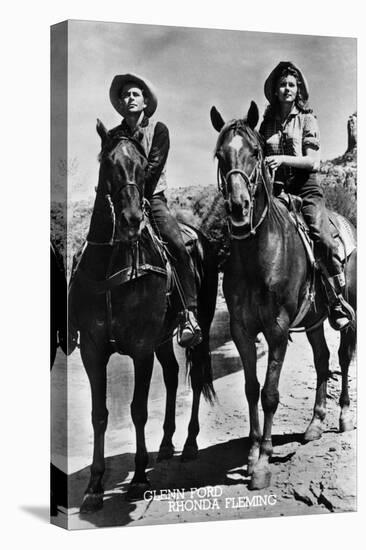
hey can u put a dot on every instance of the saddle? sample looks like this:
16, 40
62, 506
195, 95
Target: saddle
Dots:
191, 242
341, 228
125, 267
341, 231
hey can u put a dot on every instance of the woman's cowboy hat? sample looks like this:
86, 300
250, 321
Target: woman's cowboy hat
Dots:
120, 80
272, 79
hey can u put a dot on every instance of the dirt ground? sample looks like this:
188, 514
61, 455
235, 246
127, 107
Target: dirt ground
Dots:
319, 477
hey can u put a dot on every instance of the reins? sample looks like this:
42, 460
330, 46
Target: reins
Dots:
257, 174
113, 240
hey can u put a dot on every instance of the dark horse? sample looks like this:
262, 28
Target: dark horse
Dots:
58, 303
267, 284
58, 333
119, 301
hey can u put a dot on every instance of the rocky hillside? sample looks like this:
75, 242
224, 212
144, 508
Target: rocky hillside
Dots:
339, 176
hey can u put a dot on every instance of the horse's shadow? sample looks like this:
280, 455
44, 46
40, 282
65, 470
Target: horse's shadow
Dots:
220, 464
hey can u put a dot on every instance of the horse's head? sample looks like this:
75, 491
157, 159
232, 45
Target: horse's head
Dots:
122, 174
240, 165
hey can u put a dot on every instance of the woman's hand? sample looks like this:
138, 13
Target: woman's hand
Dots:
274, 161
310, 161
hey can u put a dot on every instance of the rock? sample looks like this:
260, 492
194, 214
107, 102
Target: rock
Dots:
352, 133
304, 495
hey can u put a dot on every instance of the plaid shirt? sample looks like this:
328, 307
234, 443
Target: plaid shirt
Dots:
297, 133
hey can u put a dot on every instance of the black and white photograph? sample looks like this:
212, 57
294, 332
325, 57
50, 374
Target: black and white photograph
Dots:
204, 216
182, 278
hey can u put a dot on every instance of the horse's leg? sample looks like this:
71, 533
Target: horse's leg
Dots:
165, 355
95, 362
321, 361
348, 345
143, 371
345, 354
277, 345
248, 354
53, 345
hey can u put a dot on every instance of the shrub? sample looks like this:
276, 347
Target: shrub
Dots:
342, 200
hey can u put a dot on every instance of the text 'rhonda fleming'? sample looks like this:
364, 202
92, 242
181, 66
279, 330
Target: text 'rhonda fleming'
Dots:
206, 498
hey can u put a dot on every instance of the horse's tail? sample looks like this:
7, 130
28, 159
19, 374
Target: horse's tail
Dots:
199, 358
198, 361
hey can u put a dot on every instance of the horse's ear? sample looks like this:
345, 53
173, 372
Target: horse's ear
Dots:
253, 115
216, 119
102, 131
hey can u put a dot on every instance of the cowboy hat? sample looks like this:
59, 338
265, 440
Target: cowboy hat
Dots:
272, 79
120, 80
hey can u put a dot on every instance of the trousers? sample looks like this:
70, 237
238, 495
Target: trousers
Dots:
166, 226
306, 186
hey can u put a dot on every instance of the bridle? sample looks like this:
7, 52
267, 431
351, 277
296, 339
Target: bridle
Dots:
111, 199
251, 182
144, 204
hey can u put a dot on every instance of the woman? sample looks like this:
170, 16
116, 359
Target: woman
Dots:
292, 148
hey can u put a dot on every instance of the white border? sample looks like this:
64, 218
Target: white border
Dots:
24, 223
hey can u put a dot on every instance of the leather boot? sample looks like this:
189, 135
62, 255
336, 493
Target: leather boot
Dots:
338, 320
340, 313
189, 332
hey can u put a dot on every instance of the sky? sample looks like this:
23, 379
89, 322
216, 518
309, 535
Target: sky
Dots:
193, 69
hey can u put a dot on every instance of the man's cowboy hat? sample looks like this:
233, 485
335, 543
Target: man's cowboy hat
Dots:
270, 83
116, 87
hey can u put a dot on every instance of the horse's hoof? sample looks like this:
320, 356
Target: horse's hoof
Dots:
313, 433
190, 452
260, 479
346, 424
165, 453
136, 491
92, 502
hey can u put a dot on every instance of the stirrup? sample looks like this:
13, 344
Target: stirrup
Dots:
189, 332
337, 319
341, 314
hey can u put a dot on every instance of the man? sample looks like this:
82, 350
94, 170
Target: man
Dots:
134, 98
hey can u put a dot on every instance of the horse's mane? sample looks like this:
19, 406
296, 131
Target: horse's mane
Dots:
241, 127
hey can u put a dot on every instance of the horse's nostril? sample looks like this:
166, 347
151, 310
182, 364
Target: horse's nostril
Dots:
236, 209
